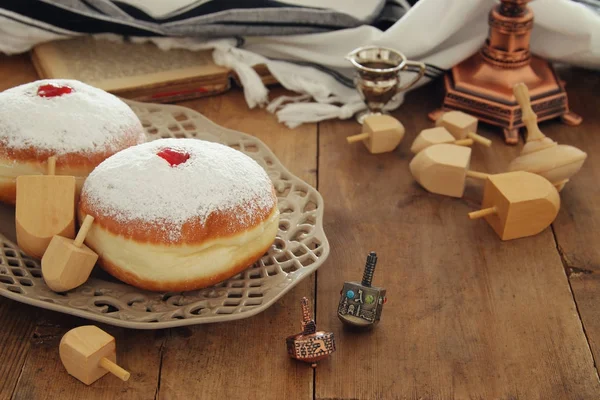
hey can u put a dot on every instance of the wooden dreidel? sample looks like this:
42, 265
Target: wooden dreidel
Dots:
88, 353
310, 345
542, 155
68, 263
45, 206
439, 135
462, 126
443, 169
518, 204
382, 134
360, 303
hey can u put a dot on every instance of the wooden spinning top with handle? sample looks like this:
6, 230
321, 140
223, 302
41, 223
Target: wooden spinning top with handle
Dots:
45, 206
439, 135
443, 169
67, 263
382, 134
462, 126
518, 204
88, 353
542, 155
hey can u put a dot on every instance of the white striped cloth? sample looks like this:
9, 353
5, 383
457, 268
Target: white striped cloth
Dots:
303, 42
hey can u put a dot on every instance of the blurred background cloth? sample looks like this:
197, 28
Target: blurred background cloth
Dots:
24, 23
303, 42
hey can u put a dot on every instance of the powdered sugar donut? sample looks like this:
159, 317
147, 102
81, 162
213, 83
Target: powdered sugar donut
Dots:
79, 124
179, 214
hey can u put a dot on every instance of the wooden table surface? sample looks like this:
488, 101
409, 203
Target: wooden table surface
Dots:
468, 316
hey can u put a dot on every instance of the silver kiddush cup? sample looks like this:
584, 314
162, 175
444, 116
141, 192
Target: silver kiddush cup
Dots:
378, 76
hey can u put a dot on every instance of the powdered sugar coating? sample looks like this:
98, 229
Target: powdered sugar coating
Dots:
137, 185
86, 120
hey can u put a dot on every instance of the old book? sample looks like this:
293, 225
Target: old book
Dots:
141, 72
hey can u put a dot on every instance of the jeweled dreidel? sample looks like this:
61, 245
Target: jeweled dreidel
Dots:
542, 155
310, 345
88, 353
462, 126
518, 204
439, 135
45, 206
68, 263
360, 303
443, 169
382, 133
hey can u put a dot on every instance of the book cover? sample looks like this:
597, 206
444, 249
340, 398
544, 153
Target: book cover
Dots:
141, 72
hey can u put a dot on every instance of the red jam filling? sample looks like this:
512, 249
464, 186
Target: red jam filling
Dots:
51, 90
173, 157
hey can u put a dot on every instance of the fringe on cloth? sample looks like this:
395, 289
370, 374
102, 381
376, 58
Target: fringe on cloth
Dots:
320, 95
309, 82
331, 99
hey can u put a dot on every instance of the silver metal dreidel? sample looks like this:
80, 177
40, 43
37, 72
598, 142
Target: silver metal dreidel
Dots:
360, 303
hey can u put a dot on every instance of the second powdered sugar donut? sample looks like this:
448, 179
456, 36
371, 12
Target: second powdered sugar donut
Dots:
179, 214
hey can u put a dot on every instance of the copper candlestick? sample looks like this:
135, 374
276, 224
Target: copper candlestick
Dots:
482, 85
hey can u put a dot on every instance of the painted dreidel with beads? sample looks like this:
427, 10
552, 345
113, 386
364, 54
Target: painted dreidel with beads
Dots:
310, 345
361, 304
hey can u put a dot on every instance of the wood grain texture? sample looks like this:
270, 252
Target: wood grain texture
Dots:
17, 322
577, 227
246, 359
468, 316
44, 377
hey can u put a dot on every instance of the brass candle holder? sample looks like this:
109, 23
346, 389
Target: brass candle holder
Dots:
482, 85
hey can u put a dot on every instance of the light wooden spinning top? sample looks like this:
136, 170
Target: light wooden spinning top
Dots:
443, 169
518, 204
45, 206
382, 134
462, 126
542, 155
439, 135
68, 263
88, 353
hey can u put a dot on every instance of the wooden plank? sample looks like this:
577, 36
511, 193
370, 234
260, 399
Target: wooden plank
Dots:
17, 322
577, 227
246, 358
468, 316
44, 377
